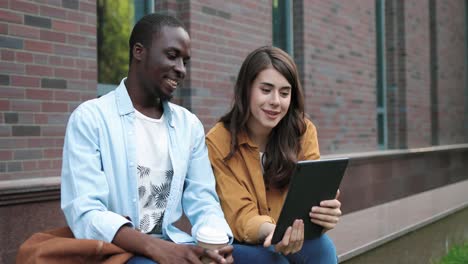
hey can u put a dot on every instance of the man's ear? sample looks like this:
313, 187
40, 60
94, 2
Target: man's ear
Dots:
138, 51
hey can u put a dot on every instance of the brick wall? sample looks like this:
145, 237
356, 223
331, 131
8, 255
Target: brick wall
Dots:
223, 33
338, 67
48, 66
396, 77
417, 44
451, 53
334, 47
425, 73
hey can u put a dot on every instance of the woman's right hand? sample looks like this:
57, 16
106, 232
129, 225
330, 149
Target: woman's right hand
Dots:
292, 241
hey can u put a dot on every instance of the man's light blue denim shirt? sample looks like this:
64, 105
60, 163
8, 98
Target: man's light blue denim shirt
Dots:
99, 173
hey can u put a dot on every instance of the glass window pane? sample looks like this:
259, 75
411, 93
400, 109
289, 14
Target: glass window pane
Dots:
380, 130
380, 43
380, 73
282, 25
115, 21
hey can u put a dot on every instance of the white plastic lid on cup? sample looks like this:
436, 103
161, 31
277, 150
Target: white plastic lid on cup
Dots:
211, 235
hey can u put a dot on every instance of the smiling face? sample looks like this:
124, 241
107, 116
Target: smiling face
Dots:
269, 101
163, 65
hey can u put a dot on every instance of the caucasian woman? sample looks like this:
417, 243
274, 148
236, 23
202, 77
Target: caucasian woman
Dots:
253, 150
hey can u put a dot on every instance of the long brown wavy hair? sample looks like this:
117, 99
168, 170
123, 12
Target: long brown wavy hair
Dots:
283, 143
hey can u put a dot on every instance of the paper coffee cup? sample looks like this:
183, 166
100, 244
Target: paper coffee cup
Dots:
211, 238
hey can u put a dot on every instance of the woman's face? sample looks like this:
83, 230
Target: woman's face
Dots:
269, 101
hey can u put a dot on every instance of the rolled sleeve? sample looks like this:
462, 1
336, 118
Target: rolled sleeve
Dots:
84, 186
106, 224
201, 203
252, 227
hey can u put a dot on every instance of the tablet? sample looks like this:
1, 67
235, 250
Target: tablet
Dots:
312, 182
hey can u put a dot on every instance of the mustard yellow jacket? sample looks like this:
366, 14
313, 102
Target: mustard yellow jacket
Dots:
245, 200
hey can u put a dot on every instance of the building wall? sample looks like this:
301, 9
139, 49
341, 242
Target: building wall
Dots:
338, 67
48, 66
223, 33
451, 53
396, 77
426, 60
417, 56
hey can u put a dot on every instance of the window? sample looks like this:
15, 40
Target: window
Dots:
381, 84
466, 70
283, 25
115, 22
433, 61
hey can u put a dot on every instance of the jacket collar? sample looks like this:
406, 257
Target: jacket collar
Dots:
243, 138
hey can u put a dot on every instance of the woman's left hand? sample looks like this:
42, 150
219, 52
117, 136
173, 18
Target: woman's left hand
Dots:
327, 214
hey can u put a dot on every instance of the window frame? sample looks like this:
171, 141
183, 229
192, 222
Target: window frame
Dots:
282, 25
381, 77
142, 7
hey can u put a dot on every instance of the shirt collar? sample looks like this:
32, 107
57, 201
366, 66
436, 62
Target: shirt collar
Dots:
125, 106
124, 103
168, 112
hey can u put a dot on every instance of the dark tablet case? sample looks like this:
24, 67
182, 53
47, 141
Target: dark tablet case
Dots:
313, 181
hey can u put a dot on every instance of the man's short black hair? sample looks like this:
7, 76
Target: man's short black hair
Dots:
147, 26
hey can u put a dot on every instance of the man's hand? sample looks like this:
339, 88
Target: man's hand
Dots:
218, 255
292, 241
175, 253
327, 214
169, 252
163, 251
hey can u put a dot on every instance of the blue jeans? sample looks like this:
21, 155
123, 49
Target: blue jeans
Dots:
320, 250
140, 260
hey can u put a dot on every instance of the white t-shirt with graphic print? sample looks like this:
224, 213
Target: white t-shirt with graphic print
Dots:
154, 171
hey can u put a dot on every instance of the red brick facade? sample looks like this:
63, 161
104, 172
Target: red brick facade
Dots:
452, 69
48, 66
222, 35
427, 82
418, 111
338, 70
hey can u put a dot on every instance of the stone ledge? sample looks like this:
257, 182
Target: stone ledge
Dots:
390, 154
29, 190
364, 230
374, 178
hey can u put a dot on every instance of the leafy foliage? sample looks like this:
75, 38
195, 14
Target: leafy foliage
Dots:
456, 255
115, 22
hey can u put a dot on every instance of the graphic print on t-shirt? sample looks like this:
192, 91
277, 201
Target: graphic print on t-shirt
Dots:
154, 171
154, 197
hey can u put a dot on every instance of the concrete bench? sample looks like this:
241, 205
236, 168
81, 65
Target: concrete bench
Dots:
415, 229
31, 205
